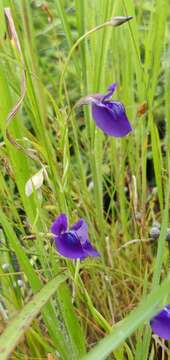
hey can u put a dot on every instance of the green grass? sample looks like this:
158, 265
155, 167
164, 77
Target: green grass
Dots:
119, 186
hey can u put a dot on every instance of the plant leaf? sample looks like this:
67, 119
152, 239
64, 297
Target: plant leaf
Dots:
148, 308
19, 325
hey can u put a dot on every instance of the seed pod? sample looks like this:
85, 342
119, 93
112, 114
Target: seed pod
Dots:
154, 232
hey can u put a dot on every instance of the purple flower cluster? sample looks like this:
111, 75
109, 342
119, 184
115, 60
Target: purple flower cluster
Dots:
110, 116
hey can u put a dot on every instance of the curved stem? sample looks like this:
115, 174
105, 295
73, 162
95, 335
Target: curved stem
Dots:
107, 23
115, 21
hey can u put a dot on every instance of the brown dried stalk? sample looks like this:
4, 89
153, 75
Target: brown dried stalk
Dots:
11, 30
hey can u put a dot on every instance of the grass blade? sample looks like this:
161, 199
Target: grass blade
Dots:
19, 325
144, 312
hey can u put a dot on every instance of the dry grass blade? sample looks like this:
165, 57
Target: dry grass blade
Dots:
18, 326
15, 41
14, 38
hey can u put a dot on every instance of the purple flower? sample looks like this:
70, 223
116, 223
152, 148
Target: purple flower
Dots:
160, 323
72, 243
109, 116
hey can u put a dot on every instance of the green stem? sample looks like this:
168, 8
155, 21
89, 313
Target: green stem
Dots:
107, 23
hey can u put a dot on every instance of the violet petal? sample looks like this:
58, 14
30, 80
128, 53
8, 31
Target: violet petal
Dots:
81, 229
89, 249
112, 87
160, 323
111, 118
111, 90
68, 245
59, 225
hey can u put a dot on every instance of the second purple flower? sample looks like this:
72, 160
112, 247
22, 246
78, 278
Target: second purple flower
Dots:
109, 116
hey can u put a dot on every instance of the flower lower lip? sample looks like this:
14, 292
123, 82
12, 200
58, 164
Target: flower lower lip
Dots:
109, 116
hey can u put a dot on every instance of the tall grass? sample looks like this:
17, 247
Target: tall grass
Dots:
119, 186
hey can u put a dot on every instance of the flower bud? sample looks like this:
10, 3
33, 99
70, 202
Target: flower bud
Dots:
119, 20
